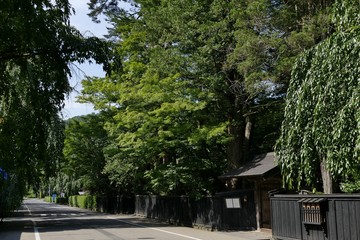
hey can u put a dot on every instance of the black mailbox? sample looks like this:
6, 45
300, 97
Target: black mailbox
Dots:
314, 212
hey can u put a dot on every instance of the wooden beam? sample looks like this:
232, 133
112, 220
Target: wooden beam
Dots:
258, 204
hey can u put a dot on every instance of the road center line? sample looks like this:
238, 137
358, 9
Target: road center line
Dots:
36, 230
28, 209
155, 229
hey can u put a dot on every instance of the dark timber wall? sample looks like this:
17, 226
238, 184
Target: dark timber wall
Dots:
210, 212
339, 217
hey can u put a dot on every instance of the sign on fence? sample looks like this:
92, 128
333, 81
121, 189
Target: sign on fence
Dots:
233, 203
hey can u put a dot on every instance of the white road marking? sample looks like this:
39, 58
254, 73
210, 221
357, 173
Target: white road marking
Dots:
28, 209
155, 229
62, 214
36, 230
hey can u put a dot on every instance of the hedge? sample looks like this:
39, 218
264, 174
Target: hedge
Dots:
83, 201
58, 200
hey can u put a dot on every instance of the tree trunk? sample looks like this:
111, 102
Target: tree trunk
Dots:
234, 151
326, 179
248, 130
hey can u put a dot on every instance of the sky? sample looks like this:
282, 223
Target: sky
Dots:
88, 28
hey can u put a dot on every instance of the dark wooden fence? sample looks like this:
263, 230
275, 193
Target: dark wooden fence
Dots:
116, 204
233, 210
315, 217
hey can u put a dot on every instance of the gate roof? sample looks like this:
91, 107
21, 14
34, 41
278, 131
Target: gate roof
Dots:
260, 166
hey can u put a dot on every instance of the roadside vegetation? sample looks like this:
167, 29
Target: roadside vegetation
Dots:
193, 89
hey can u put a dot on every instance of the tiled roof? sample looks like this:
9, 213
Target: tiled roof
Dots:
259, 166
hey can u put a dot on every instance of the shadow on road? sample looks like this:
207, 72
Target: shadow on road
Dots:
14, 229
53, 219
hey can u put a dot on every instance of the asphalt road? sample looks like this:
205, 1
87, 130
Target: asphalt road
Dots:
37, 220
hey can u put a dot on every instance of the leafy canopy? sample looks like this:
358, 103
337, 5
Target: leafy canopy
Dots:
322, 117
193, 75
85, 139
37, 47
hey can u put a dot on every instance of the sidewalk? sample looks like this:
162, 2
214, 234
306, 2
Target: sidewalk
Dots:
264, 234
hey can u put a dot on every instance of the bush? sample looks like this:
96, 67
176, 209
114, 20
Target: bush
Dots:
58, 200
350, 187
83, 201
31, 194
115, 204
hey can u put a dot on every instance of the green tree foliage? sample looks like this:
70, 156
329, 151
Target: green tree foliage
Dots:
83, 156
194, 78
10, 196
322, 120
37, 46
